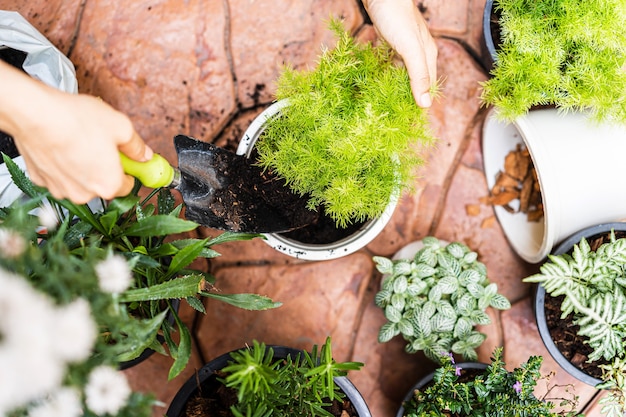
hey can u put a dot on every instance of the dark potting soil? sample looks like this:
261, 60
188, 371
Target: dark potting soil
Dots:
214, 400
564, 332
228, 191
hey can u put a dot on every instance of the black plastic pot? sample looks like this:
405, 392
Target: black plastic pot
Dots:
190, 388
428, 378
540, 296
488, 46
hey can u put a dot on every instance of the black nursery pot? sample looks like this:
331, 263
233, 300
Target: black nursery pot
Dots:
428, 378
540, 296
490, 27
190, 388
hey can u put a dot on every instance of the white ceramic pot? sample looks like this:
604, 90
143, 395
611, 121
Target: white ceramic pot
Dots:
579, 168
307, 251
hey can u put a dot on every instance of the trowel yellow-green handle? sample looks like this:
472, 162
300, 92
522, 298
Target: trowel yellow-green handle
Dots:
155, 173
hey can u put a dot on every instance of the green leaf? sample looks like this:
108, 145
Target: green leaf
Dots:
500, 302
245, 301
20, 179
181, 287
184, 257
233, 237
387, 332
160, 225
140, 335
184, 349
393, 314
196, 304
448, 285
384, 265
400, 284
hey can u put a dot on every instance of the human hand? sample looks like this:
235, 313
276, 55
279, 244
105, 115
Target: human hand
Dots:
401, 24
70, 142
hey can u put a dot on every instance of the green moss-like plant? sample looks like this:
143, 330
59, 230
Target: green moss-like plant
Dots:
352, 134
566, 53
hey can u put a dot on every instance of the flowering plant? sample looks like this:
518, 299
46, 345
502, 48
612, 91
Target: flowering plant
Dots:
492, 392
85, 289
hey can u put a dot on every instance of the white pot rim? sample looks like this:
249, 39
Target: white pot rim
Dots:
307, 251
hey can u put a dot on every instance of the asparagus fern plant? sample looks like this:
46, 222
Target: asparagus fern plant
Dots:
436, 299
296, 386
567, 53
593, 284
352, 135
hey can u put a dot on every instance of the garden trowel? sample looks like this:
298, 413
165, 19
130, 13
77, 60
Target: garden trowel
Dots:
223, 190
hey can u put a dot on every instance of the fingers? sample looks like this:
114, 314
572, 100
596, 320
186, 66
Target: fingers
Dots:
128, 183
136, 148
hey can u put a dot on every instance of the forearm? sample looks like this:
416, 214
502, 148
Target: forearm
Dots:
20, 98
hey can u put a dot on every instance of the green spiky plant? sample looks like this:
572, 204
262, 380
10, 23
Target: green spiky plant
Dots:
566, 53
593, 284
435, 299
352, 134
296, 386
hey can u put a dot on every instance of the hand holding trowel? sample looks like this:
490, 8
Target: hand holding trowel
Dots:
224, 190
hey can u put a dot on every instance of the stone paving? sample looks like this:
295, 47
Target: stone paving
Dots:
205, 68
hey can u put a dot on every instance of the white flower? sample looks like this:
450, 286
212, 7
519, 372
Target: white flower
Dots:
114, 274
27, 360
75, 331
107, 390
47, 217
65, 402
12, 244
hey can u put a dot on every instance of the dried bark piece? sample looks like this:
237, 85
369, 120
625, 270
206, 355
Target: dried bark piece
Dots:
516, 164
472, 209
518, 181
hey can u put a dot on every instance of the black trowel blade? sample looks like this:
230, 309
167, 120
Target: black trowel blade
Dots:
223, 190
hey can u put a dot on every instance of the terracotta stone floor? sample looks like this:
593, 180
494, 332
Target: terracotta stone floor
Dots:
206, 68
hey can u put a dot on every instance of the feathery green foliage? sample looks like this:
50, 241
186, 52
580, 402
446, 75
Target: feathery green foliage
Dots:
352, 134
567, 53
436, 299
593, 284
495, 392
299, 386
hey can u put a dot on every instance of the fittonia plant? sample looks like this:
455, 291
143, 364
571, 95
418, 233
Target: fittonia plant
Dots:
593, 284
435, 299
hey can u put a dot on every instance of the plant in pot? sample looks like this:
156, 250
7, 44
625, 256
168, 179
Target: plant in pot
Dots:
564, 53
476, 389
134, 232
583, 287
347, 136
264, 381
557, 84
435, 298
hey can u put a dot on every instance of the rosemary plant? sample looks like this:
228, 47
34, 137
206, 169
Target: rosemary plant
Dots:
567, 53
436, 299
300, 386
593, 284
352, 134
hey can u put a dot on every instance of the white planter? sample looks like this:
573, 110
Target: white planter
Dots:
300, 250
579, 168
